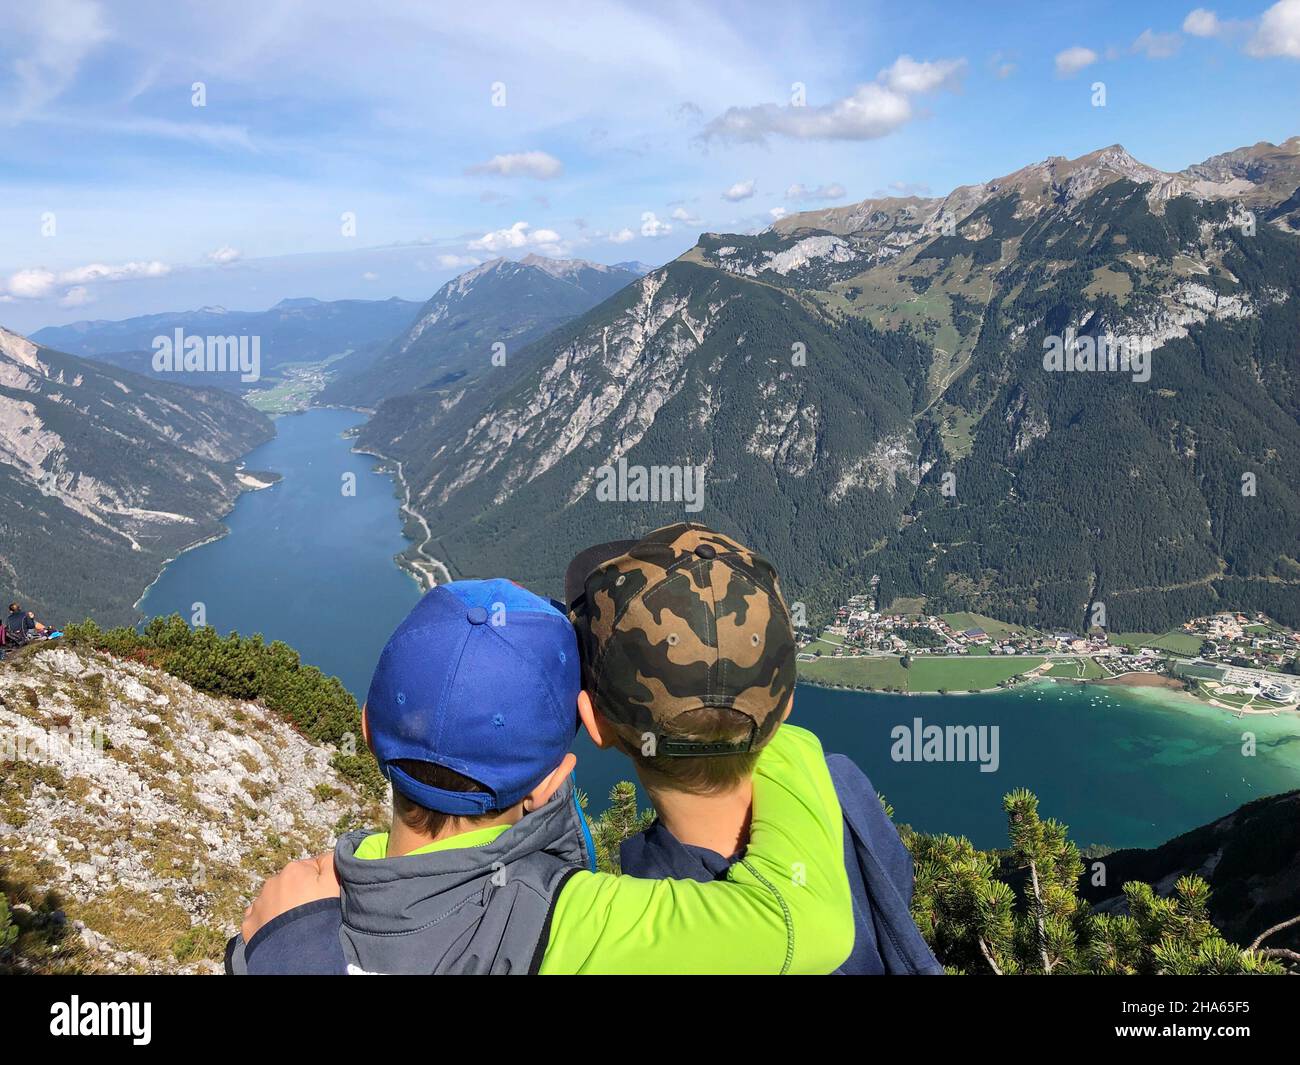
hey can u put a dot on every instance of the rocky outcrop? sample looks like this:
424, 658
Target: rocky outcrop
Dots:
152, 811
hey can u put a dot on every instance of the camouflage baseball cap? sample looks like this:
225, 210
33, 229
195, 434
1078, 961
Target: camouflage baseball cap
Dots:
682, 619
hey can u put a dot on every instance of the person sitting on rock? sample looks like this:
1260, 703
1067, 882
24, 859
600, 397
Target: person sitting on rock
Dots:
21, 626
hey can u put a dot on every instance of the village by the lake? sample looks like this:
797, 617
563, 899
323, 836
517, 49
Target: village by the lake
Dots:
1244, 663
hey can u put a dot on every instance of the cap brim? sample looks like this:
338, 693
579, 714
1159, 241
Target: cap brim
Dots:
575, 577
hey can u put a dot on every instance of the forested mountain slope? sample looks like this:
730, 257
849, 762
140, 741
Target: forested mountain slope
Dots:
496, 308
1250, 858
866, 390
104, 475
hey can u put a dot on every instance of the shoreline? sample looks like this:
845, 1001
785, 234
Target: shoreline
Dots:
245, 486
248, 484
167, 562
412, 567
1158, 683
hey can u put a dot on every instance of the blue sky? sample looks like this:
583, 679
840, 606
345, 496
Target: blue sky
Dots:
626, 130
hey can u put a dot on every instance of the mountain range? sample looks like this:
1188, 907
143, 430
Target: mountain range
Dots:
494, 309
301, 330
867, 392
105, 475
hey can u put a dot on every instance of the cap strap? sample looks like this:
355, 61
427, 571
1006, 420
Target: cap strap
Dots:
445, 802
701, 748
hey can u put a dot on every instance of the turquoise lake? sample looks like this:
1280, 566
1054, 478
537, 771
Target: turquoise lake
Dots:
306, 564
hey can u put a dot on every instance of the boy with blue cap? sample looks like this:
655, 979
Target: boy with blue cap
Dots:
488, 866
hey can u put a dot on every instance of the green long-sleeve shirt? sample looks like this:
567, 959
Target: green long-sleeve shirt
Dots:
784, 908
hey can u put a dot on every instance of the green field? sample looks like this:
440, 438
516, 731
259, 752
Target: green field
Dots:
1079, 669
999, 630
832, 638
880, 671
1176, 641
299, 382
903, 605
927, 673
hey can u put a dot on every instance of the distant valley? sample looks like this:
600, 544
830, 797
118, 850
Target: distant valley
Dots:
292, 333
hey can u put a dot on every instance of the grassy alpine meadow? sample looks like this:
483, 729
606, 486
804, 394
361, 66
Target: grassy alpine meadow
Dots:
1179, 642
925, 674
963, 621
1077, 669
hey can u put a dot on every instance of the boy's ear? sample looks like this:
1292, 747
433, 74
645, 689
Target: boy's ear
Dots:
365, 726
597, 727
541, 794
788, 707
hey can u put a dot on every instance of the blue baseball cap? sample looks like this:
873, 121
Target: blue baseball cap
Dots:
482, 677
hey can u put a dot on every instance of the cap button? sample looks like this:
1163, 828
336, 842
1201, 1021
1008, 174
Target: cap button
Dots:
707, 551
476, 615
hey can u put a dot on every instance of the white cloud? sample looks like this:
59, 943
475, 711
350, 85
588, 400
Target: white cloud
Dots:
31, 284
454, 262
1157, 45
652, 227
223, 255
519, 235
77, 296
37, 282
540, 165
741, 190
1003, 64
622, 236
1279, 31
833, 191
1073, 60
909, 76
777, 213
121, 272
1202, 23
211, 134
905, 189
681, 214
872, 110
370, 275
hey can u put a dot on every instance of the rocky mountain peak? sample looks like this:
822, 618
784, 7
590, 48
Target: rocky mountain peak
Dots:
19, 349
564, 269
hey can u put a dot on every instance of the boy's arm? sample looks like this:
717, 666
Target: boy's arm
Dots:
784, 908
292, 924
303, 941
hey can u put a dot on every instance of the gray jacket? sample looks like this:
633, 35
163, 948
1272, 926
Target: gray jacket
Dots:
466, 910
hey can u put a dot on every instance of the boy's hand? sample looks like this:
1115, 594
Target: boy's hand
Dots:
297, 884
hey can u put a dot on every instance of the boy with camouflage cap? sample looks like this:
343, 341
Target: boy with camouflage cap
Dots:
488, 866
688, 661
